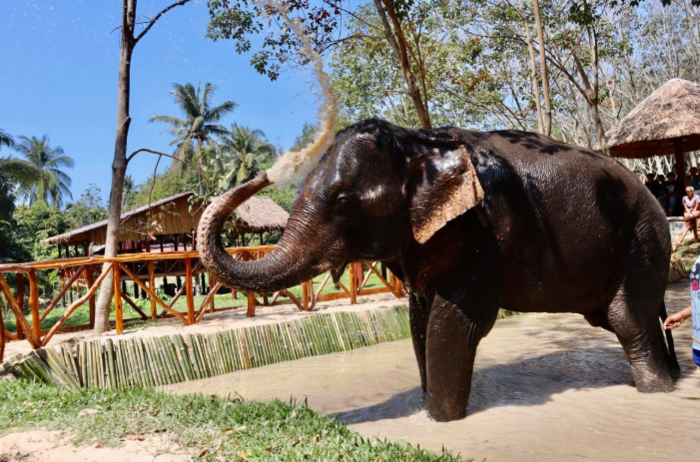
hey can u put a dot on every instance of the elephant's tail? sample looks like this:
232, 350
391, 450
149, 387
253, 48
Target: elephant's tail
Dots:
671, 360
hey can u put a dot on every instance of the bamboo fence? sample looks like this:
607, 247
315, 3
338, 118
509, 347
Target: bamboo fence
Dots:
82, 277
156, 361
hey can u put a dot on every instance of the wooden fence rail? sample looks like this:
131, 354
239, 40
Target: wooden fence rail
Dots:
81, 278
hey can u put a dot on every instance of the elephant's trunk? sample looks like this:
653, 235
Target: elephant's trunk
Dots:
282, 268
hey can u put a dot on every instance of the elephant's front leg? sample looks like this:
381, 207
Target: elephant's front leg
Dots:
418, 315
453, 334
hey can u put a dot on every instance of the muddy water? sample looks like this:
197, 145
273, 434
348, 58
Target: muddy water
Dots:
546, 387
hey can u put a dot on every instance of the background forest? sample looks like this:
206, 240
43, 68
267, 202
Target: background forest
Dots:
571, 70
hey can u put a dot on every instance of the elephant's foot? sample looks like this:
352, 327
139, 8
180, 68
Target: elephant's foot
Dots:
444, 410
651, 380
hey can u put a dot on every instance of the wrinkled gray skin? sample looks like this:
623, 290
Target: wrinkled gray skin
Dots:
560, 229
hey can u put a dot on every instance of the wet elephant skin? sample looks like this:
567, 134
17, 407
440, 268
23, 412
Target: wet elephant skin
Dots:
548, 227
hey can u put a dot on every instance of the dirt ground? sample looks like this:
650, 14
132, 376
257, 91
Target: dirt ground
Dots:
42, 445
219, 321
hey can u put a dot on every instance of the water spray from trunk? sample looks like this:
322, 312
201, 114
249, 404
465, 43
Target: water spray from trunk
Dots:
294, 166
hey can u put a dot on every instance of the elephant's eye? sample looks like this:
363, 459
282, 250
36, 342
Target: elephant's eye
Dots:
342, 201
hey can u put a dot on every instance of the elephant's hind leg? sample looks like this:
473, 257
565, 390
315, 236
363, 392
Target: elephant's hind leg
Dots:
453, 335
634, 317
418, 316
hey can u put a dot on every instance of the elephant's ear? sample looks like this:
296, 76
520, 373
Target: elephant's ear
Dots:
441, 185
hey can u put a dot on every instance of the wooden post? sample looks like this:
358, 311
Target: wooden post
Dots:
353, 285
305, 296
90, 279
20, 303
680, 163
161, 244
118, 311
58, 246
2, 338
76, 250
34, 304
86, 248
152, 286
212, 283
251, 305
189, 291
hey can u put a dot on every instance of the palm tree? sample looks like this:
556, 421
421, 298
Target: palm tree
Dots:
42, 175
244, 149
199, 124
6, 139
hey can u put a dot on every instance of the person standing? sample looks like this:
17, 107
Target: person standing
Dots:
673, 192
691, 206
653, 186
674, 320
694, 178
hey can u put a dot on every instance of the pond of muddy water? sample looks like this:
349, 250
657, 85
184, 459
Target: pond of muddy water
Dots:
546, 387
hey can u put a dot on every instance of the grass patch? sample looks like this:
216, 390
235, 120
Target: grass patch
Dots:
213, 427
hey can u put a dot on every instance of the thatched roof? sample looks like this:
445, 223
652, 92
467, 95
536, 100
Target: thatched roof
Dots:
178, 214
259, 214
669, 115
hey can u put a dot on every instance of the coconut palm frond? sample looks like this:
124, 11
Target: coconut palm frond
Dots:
6, 139
40, 174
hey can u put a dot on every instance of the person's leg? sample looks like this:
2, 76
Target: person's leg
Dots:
673, 200
696, 356
663, 202
686, 217
694, 225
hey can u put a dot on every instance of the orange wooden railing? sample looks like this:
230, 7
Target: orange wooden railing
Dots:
141, 268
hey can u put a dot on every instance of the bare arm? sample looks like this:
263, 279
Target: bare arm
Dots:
676, 319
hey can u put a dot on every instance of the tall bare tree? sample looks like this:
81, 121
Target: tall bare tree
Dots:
129, 39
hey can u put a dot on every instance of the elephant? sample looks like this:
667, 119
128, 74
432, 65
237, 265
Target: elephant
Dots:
471, 222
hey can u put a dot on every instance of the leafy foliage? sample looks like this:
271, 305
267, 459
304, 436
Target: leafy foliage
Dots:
42, 176
199, 125
242, 151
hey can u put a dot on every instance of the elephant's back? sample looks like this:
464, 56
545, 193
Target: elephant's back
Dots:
568, 216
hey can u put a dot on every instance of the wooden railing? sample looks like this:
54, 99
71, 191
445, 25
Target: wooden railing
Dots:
82, 276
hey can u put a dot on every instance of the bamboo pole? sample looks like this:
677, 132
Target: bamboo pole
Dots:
118, 309
20, 303
34, 304
252, 302
189, 292
19, 316
152, 294
353, 285
60, 295
152, 285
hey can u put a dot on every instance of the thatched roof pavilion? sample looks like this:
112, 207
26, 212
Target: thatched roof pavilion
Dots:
170, 219
666, 122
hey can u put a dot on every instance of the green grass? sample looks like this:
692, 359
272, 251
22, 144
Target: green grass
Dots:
211, 427
82, 315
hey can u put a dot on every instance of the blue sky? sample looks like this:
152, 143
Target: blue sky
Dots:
59, 77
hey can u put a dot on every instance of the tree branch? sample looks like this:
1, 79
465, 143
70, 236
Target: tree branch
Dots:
157, 17
133, 154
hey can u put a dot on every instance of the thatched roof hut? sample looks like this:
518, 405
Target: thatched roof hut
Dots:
176, 215
666, 122
260, 214
669, 115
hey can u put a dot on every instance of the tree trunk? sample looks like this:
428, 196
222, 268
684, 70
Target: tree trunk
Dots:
543, 70
398, 44
104, 301
128, 42
533, 69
